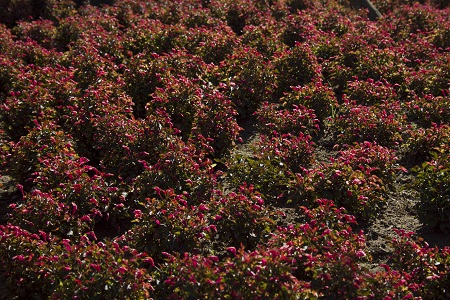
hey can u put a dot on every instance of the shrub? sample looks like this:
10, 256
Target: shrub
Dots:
441, 38
42, 266
295, 151
34, 54
36, 96
248, 80
422, 141
241, 13
196, 15
69, 30
6, 39
181, 168
264, 38
196, 109
10, 70
44, 140
440, 3
316, 95
269, 175
129, 12
213, 45
433, 186
152, 36
271, 165
215, 120
370, 92
15, 10
146, 72
295, 66
429, 109
326, 252
64, 195
334, 20
168, 223
376, 34
325, 47
180, 98
418, 51
295, 5
432, 78
90, 65
243, 277
123, 145
297, 28
242, 219
415, 270
274, 120
407, 19
381, 124
42, 31
357, 58
78, 115
357, 180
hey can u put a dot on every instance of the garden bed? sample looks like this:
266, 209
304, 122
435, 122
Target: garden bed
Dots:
224, 149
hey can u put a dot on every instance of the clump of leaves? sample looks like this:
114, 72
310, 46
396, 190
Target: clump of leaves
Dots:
422, 141
248, 79
168, 223
269, 175
40, 265
180, 168
274, 119
295, 66
433, 184
370, 92
317, 96
242, 218
272, 164
381, 124
416, 270
429, 109
358, 179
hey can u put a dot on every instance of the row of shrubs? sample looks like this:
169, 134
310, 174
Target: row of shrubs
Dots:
318, 258
120, 125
